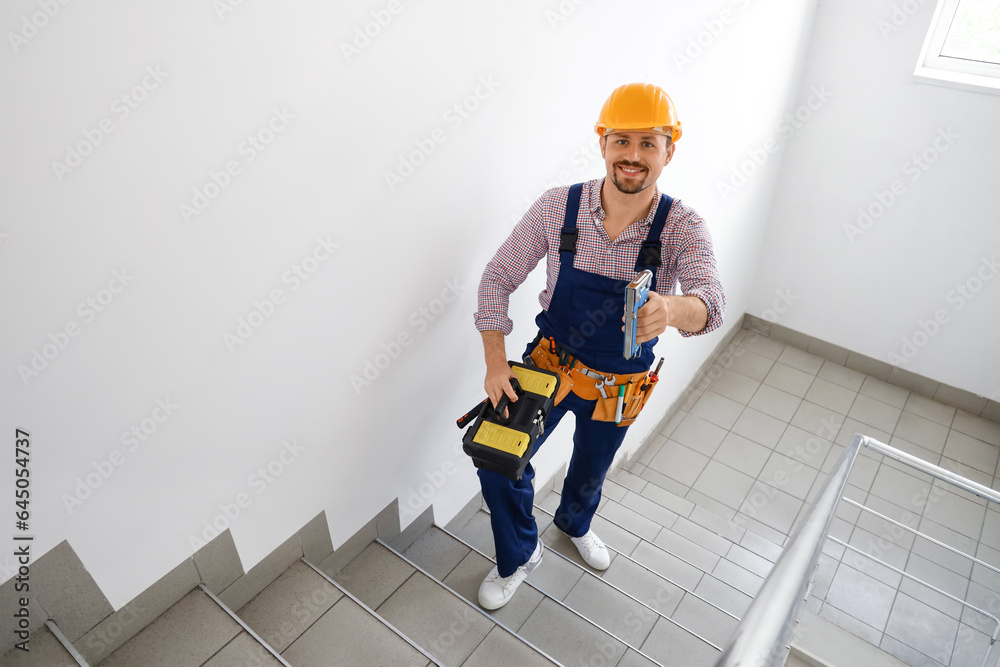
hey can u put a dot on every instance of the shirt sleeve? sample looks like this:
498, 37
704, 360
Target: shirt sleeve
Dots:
516, 258
698, 275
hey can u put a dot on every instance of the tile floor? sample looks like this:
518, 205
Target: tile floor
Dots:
755, 445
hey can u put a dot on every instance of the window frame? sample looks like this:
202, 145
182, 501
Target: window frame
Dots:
934, 68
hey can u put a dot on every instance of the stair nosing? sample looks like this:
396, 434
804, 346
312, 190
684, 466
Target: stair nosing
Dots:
351, 596
658, 574
246, 628
578, 614
476, 608
66, 643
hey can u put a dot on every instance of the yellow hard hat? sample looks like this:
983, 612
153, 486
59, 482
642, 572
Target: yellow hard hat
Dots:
639, 106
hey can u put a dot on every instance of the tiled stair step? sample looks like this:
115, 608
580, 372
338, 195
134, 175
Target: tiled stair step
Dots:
700, 562
632, 490
433, 615
198, 630
45, 650
698, 602
575, 617
691, 526
682, 576
311, 621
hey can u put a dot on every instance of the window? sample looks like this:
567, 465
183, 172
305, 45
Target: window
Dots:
962, 48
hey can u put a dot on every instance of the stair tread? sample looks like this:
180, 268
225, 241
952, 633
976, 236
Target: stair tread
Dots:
502, 649
356, 637
568, 638
190, 632
609, 608
44, 650
374, 574
443, 624
241, 651
555, 577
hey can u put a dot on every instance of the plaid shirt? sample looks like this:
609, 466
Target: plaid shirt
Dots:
686, 255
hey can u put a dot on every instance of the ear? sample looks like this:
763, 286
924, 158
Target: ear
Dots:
670, 154
604, 145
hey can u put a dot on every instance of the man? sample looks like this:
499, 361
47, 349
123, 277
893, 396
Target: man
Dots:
596, 237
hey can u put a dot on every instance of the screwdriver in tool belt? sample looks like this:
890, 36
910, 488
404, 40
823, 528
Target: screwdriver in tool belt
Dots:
654, 376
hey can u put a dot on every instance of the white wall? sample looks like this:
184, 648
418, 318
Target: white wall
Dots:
336, 124
876, 285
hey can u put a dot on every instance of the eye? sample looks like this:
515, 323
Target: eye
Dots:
648, 144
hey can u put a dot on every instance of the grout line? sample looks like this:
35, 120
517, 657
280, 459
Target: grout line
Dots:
591, 622
649, 569
242, 623
465, 602
371, 611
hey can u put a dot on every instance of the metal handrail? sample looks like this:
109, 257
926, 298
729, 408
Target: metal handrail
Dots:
763, 638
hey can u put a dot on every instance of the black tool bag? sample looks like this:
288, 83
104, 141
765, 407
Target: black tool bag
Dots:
504, 444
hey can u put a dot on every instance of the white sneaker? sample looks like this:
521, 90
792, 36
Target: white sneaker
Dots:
496, 591
592, 550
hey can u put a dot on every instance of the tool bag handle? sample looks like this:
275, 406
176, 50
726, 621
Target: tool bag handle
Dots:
485, 404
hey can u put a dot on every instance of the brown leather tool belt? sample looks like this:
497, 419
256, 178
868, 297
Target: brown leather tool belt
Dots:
593, 385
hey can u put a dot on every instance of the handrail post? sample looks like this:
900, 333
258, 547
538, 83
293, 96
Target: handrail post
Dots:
763, 638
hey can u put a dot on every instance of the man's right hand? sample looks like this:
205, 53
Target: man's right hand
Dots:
498, 376
498, 372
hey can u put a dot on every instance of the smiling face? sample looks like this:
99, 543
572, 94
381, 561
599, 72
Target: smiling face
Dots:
634, 160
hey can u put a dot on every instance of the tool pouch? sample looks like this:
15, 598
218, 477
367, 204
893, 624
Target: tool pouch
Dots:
546, 361
606, 409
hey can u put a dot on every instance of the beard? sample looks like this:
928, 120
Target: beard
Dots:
632, 185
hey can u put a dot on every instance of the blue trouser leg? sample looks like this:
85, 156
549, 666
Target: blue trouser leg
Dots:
594, 447
515, 533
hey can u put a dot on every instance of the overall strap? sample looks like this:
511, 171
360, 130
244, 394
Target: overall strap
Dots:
567, 238
650, 255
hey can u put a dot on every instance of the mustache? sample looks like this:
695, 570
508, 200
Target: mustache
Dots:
633, 165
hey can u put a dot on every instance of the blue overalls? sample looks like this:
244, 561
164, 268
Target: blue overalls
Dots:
585, 317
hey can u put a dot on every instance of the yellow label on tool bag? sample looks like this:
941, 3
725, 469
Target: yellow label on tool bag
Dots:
535, 382
502, 438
